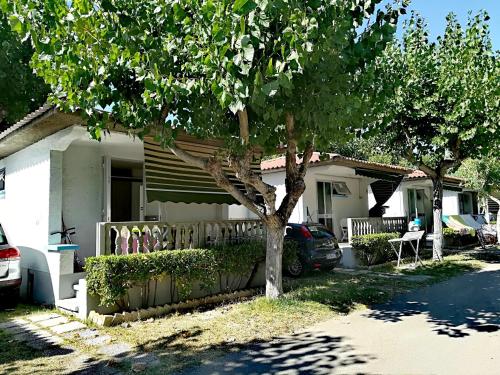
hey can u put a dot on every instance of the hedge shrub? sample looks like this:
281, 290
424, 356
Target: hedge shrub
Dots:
374, 248
456, 234
109, 277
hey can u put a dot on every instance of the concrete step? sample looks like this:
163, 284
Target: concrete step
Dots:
69, 305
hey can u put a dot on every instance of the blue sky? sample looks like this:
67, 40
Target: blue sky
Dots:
435, 11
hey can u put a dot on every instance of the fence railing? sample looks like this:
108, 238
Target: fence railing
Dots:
148, 236
370, 225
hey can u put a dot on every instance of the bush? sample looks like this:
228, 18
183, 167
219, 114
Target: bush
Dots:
109, 277
457, 234
374, 248
462, 237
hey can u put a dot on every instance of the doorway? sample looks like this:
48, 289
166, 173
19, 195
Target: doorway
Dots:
126, 195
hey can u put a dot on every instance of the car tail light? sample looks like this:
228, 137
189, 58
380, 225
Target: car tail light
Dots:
305, 232
10, 253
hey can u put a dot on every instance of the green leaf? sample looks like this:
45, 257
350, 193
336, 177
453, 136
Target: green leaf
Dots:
15, 23
243, 7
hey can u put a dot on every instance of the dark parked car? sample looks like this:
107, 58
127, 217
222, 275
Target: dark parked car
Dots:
318, 248
10, 272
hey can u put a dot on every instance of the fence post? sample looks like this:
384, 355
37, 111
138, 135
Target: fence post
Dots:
101, 245
349, 229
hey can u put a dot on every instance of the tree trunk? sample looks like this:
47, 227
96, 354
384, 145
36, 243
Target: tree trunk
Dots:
437, 211
274, 259
498, 227
498, 219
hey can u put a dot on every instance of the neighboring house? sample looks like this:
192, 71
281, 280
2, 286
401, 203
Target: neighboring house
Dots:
337, 188
51, 172
413, 198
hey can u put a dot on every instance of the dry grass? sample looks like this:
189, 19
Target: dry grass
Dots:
182, 340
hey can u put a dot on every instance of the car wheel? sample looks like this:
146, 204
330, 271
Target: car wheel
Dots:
328, 268
10, 298
296, 268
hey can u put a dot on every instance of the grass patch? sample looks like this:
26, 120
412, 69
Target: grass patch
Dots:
188, 339
182, 340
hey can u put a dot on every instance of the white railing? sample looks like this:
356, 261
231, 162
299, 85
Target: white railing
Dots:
370, 225
147, 236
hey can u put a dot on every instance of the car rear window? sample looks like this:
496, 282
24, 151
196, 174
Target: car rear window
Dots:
3, 239
320, 232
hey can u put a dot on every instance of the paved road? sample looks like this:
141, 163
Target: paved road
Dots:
448, 328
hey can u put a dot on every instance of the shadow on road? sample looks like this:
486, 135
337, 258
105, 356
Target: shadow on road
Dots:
468, 302
301, 353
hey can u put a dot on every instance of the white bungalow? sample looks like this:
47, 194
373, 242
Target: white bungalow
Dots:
413, 198
53, 174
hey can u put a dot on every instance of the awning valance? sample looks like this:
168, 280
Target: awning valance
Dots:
379, 175
169, 179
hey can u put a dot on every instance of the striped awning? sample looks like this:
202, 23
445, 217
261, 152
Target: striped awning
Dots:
169, 179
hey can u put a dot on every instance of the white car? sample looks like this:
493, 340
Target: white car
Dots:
10, 272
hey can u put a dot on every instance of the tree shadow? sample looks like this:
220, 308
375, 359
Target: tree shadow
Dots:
453, 308
22, 344
300, 353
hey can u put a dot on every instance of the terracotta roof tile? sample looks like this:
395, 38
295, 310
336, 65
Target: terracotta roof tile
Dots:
279, 163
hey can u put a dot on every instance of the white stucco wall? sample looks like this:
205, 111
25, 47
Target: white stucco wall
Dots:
83, 189
450, 203
354, 205
83, 185
398, 203
277, 179
31, 209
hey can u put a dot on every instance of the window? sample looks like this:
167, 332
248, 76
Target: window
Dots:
3, 238
340, 188
2, 182
319, 232
465, 203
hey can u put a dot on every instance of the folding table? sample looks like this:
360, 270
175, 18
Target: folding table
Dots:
408, 237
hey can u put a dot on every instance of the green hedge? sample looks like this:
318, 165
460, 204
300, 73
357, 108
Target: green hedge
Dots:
455, 234
109, 277
374, 248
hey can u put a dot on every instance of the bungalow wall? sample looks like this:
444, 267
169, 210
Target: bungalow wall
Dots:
29, 211
398, 204
83, 189
353, 205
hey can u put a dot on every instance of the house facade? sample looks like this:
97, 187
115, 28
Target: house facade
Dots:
337, 188
413, 198
53, 174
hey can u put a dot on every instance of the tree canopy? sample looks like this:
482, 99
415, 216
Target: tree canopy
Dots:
254, 73
437, 103
440, 100
482, 175
20, 90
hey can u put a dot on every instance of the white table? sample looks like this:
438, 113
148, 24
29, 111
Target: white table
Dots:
408, 237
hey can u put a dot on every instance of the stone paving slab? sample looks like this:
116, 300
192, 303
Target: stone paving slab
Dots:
53, 322
8, 324
16, 329
67, 327
40, 317
20, 321
88, 333
115, 350
149, 359
98, 341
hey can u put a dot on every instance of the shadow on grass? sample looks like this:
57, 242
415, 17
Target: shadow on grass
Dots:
453, 307
343, 292
28, 349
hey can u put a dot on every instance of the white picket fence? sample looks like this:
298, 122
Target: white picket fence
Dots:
370, 225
